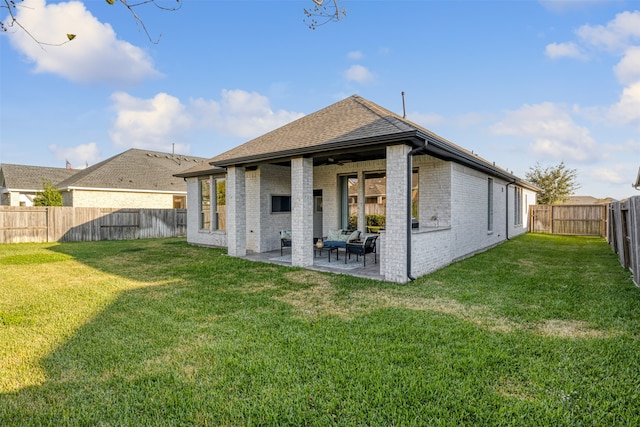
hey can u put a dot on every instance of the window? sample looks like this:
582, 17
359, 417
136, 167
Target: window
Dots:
375, 208
205, 203
490, 205
280, 204
517, 206
415, 199
348, 185
221, 204
212, 209
179, 202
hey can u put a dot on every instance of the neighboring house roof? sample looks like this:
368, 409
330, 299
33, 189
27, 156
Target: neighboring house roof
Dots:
586, 200
29, 178
352, 124
201, 169
134, 169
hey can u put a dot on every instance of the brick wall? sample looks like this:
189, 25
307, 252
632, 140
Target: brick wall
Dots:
236, 209
453, 210
395, 240
302, 211
273, 181
435, 191
217, 238
118, 199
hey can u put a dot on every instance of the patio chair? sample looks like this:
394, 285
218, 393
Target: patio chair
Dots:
285, 240
367, 246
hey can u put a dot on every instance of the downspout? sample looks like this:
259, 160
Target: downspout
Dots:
507, 209
409, 202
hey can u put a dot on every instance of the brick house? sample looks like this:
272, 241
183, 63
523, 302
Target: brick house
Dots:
134, 178
19, 184
442, 202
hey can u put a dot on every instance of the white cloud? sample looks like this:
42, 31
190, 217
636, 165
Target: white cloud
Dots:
154, 123
159, 122
359, 74
79, 156
242, 114
627, 110
564, 50
553, 132
618, 34
95, 55
355, 55
610, 175
628, 69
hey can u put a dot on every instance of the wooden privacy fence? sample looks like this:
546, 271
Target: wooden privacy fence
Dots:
68, 224
577, 220
624, 234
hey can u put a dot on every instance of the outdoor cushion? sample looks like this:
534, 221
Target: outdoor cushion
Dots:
285, 234
334, 235
339, 238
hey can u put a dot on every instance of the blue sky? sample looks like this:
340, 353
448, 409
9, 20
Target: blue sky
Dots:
518, 82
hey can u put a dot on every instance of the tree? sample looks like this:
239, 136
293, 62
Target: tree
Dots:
323, 11
50, 195
12, 5
556, 182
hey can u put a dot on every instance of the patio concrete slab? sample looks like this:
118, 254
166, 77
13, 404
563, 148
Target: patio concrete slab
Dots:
353, 267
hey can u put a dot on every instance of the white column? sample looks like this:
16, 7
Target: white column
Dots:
395, 240
301, 212
236, 212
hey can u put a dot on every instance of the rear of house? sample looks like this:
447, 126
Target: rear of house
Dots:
335, 169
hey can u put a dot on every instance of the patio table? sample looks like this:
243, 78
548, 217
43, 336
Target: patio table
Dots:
329, 249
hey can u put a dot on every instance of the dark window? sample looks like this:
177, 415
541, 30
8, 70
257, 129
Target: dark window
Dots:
280, 203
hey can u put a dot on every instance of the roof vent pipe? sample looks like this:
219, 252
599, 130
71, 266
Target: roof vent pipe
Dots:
404, 110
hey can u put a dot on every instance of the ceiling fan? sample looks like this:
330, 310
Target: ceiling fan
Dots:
334, 161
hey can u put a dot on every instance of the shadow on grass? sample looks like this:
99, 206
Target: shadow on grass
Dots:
221, 343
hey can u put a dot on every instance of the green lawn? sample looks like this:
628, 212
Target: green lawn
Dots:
540, 331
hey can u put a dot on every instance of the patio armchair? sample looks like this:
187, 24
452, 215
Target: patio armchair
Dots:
366, 246
285, 240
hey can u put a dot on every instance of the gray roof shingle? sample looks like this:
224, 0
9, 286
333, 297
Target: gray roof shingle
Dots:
351, 119
135, 169
351, 123
29, 178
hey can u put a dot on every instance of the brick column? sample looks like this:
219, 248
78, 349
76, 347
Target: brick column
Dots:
236, 212
395, 241
301, 212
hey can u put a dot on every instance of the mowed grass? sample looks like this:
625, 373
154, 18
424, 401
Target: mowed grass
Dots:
540, 331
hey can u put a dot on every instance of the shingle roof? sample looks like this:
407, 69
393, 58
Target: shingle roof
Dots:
351, 119
135, 169
25, 177
353, 123
203, 168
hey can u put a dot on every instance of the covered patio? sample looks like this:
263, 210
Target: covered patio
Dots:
353, 267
